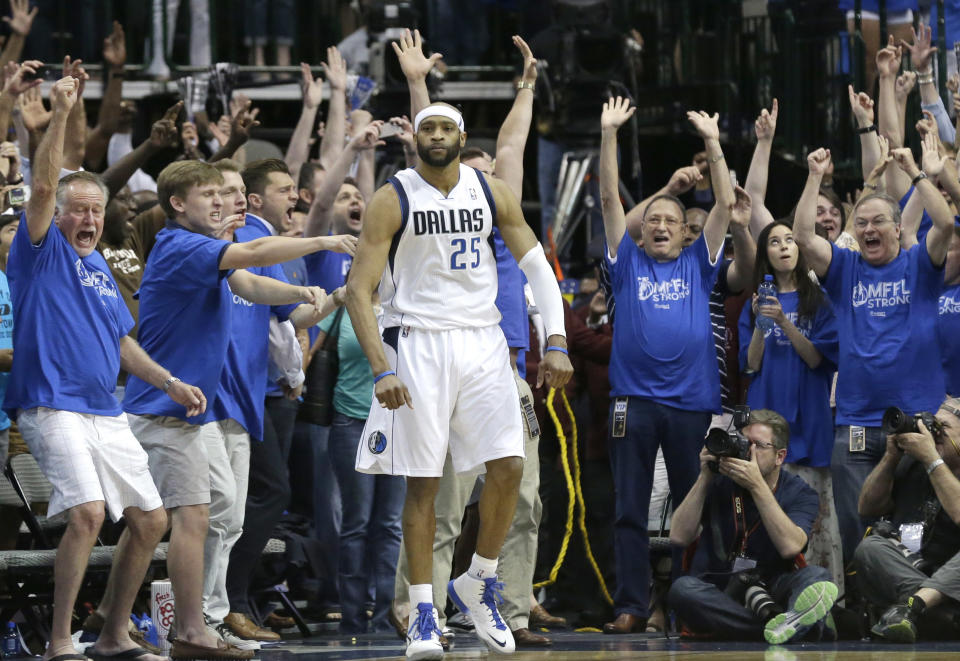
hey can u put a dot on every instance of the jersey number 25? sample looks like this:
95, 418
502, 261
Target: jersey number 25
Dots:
460, 250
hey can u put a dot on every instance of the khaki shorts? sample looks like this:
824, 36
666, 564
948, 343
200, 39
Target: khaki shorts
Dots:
178, 457
88, 458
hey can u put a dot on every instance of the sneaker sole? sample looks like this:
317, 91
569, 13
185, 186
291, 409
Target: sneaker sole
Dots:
426, 655
901, 632
813, 603
491, 644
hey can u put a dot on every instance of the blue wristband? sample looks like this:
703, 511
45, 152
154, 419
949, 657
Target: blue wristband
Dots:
560, 349
383, 374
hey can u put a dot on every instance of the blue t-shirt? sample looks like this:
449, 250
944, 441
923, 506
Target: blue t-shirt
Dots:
511, 302
328, 270
797, 500
887, 325
70, 318
295, 272
948, 331
243, 380
185, 308
6, 340
662, 338
786, 384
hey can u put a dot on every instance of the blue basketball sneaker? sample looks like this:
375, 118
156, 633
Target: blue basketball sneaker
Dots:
479, 599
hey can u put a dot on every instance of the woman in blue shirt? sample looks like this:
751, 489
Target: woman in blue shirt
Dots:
372, 504
792, 365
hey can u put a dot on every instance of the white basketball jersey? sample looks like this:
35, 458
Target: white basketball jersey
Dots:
441, 272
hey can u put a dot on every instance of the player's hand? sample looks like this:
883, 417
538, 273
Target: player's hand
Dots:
190, 397
391, 393
555, 369
292, 393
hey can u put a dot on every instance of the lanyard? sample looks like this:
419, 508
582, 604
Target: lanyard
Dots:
740, 523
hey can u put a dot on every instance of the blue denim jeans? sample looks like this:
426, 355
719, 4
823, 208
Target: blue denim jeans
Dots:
632, 458
705, 609
326, 509
369, 533
849, 470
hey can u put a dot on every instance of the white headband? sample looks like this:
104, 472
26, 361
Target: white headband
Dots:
441, 111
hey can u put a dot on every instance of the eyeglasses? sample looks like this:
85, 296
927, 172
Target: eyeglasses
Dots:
669, 222
880, 221
762, 445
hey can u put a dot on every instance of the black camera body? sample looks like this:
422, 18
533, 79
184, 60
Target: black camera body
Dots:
895, 421
723, 443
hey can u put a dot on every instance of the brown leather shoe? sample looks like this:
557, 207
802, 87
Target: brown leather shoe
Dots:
625, 623
399, 626
539, 617
526, 638
183, 650
241, 625
274, 621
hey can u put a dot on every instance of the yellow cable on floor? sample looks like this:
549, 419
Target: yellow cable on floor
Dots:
575, 496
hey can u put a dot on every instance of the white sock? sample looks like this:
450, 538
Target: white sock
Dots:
481, 568
420, 594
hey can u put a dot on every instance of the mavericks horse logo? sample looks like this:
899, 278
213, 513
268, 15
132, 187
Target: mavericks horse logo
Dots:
377, 442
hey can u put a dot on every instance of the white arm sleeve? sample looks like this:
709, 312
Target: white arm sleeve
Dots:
546, 291
285, 355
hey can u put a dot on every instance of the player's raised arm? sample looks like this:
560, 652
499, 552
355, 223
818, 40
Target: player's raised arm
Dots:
555, 367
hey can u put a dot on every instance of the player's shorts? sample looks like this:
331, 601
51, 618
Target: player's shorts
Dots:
464, 399
178, 457
87, 458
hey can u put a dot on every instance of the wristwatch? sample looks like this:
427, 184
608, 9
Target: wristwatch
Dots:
169, 382
932, 466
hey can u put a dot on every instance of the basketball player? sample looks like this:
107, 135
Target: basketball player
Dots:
426, 240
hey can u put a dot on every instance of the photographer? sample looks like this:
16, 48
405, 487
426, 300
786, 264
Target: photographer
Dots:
920, 495
758, 521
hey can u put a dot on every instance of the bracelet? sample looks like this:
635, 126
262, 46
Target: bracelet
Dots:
915, 180
560, 349
169, 382
716, 159
524, 85
867, 129
932, 466
382, 375
924, 78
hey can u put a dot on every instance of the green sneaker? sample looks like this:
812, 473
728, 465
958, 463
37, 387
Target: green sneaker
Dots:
898, 624
811, 606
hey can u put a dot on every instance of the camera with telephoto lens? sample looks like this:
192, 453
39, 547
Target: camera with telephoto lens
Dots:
895, 421
749, 589
723, 443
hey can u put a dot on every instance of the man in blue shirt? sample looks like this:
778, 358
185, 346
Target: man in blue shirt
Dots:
663, 368
187, 292
71, 332
886, 302
752, 520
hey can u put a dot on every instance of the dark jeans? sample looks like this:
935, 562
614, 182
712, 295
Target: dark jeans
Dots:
706, 610
849, 470
632, 458
326, 510
372, 508
262, 19
267, 496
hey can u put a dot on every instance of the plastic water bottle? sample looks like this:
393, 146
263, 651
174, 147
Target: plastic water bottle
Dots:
11, 642
766, 291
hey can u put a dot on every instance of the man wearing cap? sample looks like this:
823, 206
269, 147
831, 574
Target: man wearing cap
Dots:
444, 356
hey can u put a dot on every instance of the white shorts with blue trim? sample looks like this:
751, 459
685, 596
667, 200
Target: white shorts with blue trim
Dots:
464, 400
